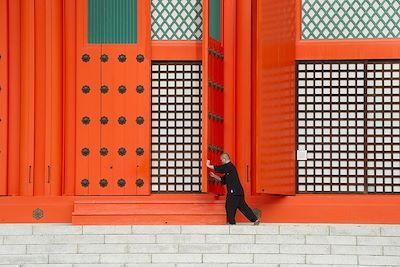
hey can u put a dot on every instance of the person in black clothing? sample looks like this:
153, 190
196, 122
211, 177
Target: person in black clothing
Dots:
235, 194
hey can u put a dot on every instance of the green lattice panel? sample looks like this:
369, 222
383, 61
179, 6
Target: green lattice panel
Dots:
350, 19
176, 19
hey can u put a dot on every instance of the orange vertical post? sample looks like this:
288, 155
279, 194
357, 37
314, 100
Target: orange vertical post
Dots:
54, 107
14, 74
229, 44
27, 97
3, 95
205, 89
243, 93
69, 63
40, 96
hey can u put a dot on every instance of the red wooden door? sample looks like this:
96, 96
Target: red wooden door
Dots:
113, 103
213, 76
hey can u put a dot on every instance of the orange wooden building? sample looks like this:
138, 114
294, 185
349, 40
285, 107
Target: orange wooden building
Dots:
110, 109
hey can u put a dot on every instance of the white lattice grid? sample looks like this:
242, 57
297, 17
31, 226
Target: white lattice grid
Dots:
331, 127
176, 19
176, 127
383, 133
347, 19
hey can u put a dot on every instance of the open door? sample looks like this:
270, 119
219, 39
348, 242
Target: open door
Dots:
213, 84
275, 98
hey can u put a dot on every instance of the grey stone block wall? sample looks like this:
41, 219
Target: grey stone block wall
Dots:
283, 245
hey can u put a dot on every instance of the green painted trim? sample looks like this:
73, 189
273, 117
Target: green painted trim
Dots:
215, 19
112, 21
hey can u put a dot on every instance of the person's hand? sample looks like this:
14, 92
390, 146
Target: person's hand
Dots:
208, 163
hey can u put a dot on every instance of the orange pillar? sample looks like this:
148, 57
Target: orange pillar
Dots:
27, 97
40, 96
14, 68
205, 134
243, 93
3, 95
54, 88
69, 95
229, 43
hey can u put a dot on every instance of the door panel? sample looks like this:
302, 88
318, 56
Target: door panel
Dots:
119, 82
275, 98
214, 85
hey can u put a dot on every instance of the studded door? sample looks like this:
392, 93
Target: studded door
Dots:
215, 81
113, 96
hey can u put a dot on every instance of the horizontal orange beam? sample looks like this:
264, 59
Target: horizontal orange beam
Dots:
347, 49
307, 208
176, 50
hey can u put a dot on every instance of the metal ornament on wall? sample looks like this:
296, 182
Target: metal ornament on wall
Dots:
104, 151
140, 89
140, 120
85, 58
37, 214
122, 89
121, 182
86, 120
104, 58
85, 182
85, 89
139, 182
104, 120
104, 89
140, 58
103, 182
85, 151
122, 58
122, 120
122, 151
139, 151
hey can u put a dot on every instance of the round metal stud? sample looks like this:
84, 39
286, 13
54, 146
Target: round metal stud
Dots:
85, 58
85, 182
104, 58
122, 58
122, 120
86, 120
140, 89
103, 120
104, 89
139, 151
139, 182
121, 151
140, 58
139, 120
103, 182
103, 151
85, 89
85, 151
121, 182
122, 89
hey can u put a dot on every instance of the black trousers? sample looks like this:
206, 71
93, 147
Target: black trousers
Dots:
237, 202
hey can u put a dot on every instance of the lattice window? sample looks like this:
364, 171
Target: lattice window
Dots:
348, 126
343, 19
176, 19
176, 127
383, 127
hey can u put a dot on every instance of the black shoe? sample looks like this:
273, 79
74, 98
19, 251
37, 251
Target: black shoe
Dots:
257, 212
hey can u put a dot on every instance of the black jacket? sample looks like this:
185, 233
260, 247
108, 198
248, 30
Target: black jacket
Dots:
231, 178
